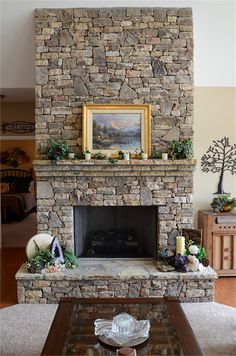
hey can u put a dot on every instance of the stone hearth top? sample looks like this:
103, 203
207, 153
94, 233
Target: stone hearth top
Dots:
117, 269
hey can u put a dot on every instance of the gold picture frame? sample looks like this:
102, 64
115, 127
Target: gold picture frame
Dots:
112, 128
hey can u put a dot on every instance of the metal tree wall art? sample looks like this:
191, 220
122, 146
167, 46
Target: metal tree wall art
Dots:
220, 157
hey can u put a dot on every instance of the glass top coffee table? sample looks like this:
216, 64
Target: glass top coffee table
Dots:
72, 330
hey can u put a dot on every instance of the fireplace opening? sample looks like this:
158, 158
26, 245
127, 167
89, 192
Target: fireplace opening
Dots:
117, 232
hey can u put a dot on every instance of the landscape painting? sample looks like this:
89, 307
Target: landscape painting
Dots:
117, 131
114, 128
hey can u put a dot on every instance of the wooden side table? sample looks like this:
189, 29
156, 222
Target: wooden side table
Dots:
219, 240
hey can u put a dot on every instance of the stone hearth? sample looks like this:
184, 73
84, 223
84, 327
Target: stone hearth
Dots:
101, 278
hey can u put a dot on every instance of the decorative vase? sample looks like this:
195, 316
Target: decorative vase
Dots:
227, 208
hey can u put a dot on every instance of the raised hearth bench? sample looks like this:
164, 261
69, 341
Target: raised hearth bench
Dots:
104, 278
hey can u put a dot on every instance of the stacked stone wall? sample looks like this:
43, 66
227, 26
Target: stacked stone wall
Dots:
113, 55
168, 185
48, 292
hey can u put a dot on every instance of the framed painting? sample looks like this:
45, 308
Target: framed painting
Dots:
114, 128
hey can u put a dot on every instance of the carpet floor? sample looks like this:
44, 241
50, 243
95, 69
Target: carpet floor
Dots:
24, 327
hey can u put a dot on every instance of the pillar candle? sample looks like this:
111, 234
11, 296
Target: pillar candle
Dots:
180, 245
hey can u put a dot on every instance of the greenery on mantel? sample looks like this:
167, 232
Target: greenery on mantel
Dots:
181, 149
57, 149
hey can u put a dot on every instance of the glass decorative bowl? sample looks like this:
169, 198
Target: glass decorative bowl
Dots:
122, 331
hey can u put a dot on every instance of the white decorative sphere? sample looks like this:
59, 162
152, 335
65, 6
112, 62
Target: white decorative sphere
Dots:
193, 250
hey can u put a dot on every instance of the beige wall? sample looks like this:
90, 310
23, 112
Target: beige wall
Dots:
214, 118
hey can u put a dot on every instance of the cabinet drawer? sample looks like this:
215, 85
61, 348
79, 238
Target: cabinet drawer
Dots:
224, 227
228, 228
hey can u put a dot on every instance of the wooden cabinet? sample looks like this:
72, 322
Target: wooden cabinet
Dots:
219, 240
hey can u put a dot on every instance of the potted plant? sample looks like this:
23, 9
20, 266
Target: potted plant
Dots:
57, 149
223, 203
87, 155
181, 149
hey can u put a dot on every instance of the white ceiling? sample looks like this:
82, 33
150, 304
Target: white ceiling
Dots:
214, 39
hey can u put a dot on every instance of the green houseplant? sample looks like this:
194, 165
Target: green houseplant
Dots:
57, 149
181, 149
223, 203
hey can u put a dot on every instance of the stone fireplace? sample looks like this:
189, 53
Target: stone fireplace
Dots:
165, 187
114, 56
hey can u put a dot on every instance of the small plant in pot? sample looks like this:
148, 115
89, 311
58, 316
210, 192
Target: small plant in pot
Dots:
181, 149
223, 203
87, 155
57, 149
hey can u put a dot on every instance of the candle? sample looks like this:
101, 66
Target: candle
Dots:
180, 245
164, 156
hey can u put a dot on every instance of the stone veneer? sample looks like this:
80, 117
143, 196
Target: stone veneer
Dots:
168, 185
113, 55
101, 278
